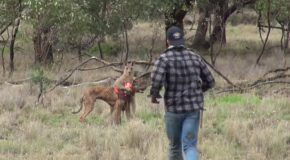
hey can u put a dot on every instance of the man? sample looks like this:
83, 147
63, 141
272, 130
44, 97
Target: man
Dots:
185, 77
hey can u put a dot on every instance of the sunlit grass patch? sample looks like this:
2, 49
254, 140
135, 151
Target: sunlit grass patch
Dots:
62, 119
96, 120
147, 116
233, 99
12, 147
283, 111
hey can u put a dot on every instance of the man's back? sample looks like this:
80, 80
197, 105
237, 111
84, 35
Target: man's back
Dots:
184, 76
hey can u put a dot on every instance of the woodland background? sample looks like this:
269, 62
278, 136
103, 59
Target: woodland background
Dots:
51, 50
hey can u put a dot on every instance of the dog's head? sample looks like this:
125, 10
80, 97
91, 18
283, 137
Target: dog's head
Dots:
129, 69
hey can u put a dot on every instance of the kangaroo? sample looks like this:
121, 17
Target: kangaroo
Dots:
125, 90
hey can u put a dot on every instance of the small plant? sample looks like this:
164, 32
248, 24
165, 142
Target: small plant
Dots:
39, 78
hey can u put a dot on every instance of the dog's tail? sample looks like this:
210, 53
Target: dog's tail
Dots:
81, 103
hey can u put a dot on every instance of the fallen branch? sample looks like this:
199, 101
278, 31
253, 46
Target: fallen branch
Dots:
273, 27
18, 82
96, 68
280, 78
277, 70
106, 64
98, 82
271, 79
143, 75
115, 64
73, 70
253, 86
143, 62
219, 73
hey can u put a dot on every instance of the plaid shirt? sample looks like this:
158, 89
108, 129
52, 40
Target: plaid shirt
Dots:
184, 76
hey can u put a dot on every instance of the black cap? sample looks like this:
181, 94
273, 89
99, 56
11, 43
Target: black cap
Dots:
175, 36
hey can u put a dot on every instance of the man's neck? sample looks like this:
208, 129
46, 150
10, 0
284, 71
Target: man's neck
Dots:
171, 46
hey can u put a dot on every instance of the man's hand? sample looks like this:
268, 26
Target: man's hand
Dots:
154, 100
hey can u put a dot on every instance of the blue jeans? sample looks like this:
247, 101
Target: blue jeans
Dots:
182, 132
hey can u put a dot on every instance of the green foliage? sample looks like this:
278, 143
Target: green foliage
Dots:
38, 77
46, 13
9, 10
279, 9
108, 49
6, 50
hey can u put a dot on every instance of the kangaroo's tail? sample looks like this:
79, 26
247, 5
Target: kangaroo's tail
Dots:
81, 106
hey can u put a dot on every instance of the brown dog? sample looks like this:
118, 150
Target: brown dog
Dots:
91, 95
114, 96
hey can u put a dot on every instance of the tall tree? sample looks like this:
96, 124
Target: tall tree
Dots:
46, 17
10, 13
270, 11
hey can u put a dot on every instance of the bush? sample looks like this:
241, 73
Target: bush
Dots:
108, 48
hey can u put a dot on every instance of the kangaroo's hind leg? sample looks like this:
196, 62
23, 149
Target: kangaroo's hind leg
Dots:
133, 104
116, 119
128, 110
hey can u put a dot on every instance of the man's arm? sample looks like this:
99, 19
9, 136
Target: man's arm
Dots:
208, 81
157, 77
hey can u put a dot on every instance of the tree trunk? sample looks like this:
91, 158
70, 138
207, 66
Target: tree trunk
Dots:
199, 41
175, 19
126, 54
219, 30
2, 55
80, 52
43, 45
287, 37
11, 46
176, 16
100, 50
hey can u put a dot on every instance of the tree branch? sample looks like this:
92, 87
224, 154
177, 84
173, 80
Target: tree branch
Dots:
253, 86
106, 64
219, 73
5, 28
268, 33
277, 70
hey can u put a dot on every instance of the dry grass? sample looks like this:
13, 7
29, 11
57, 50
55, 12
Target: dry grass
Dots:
236, 126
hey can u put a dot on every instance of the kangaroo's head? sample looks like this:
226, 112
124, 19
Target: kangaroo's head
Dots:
129, 69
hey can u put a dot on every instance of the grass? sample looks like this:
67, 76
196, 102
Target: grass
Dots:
238, 126
11, 147
245, 129
235, 99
